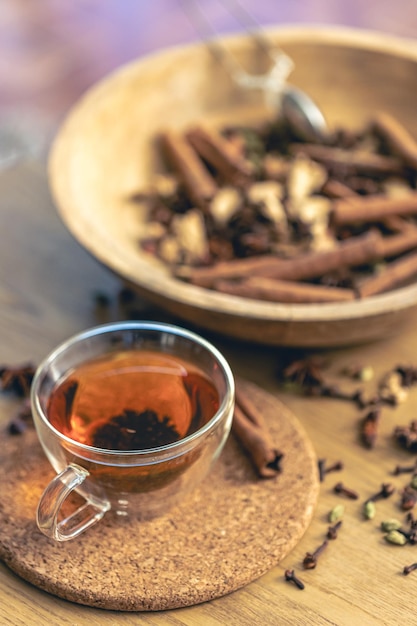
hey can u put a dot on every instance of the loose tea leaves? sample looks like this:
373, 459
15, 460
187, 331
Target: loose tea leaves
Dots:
134, 431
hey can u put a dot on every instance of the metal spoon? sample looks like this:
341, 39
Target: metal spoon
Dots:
302, 115
299, 111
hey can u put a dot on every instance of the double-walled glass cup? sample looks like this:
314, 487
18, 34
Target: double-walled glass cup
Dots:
140, 482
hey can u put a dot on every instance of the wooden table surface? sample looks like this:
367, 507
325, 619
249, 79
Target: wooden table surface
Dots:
48, 54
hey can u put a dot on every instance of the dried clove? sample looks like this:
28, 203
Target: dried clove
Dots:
323, 469
291, 577
387, 489
333, 391
340, 488
404, 469
410, 535
310, 559
409, 568
332, 531
336, 467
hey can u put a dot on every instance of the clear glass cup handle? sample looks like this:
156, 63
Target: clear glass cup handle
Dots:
53, 498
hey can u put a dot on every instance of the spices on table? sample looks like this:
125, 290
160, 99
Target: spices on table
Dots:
311, 558
17, 379
291, 577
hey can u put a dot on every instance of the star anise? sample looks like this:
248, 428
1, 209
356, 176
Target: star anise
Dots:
17, 379
306, 372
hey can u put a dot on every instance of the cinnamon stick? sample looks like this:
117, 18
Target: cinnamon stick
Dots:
349, 253
397, 224
334, 188
351, 161
206, 276
393, 275
216, 150
398, 243
250, 429
196, 179
272, 290
398, 139
375, 208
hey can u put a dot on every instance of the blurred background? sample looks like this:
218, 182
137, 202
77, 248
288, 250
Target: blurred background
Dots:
51, 51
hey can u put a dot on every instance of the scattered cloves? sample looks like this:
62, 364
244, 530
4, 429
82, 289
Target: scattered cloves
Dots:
343, 490
409, 568
333, 530
323, 469
333, 391
404, 469
387, 489
310, 559
410, 535
336, 467
291, 577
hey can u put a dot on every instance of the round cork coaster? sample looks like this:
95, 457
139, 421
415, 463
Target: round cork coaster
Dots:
229, 532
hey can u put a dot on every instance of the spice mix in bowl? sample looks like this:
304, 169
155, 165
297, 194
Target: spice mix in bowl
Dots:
213, 207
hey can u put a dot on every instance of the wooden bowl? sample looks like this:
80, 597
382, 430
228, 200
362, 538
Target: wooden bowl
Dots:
105, 152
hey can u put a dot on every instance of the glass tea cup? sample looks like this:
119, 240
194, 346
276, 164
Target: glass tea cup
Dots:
131, 416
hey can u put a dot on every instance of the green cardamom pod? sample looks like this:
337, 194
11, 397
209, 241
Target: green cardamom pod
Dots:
413, 482
390, 524
369, 510
336, 513
366, 373
396, 538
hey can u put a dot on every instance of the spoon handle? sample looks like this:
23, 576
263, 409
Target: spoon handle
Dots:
272, 80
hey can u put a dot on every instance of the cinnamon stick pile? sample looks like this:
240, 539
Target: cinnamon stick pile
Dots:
259, 213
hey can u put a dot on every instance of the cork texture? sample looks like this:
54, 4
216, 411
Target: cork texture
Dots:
229, 532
